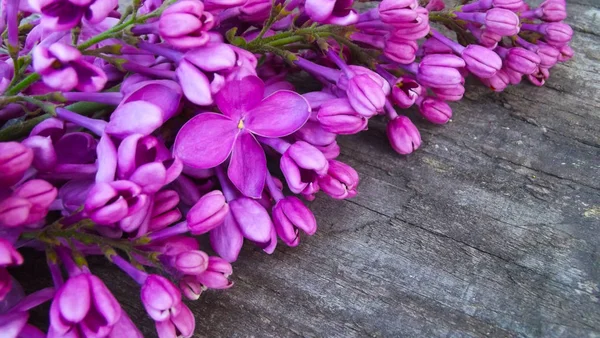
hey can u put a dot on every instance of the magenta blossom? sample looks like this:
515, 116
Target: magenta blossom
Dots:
208, 139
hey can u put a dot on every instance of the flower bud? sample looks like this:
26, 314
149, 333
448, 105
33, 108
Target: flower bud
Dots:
289, 215
185, 24
190, 288
403, 135
338, 116
340, 182
191, 262
497, 82
208, 213
365, 95
481, 61
108, 203
406, 91
400, 50
307, 157
15, 159
394, 11
216, 274
435, 110
38, 192
14, 212
160, 297
521, 60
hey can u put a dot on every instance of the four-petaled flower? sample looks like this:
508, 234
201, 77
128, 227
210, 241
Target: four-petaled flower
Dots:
208, 139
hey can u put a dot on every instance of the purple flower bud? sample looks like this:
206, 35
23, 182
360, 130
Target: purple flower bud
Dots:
549, 10
365, 95
435, 110
521, 60
337, 12
566, 53
185, 24
191, 262
440, 71
400, 50
449, 94
84, 304
481, 61
307, 157
340, 182
63, 68
498, 82
39, 193
483, 5
406, 91
15, 159
216, 275
539, 77
403, 135
555, 33
500, 21
485, 37
289, 215
14, 212
338, 116
64, 15
394, 11
190, 288
252, 219
161, 299
145, 108
208, 213
180, 325
108, 203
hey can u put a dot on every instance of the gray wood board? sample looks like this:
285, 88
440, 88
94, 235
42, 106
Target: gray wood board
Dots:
490, 229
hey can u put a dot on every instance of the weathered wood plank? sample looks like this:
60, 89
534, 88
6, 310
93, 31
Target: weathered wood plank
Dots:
490, 229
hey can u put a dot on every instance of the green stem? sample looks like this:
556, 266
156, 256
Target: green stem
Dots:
26, 82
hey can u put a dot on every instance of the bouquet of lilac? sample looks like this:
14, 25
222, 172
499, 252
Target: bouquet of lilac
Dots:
128, 131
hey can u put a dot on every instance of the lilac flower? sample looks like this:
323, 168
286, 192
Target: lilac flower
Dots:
208, 213
208, 139
146, 161
63, 15
83, 306
549, 10
483, 5
499, 81
519, 59
340, 182
440, 71
434, 110
146, 106
13, 321
394, 11
216, 275
289, 215
338, 116
403, 135
338, 12
63, 68
500, 21
555, 33
185, 24
111, 202
15, 159
405, 91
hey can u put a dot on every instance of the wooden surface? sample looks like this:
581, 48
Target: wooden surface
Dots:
492, 228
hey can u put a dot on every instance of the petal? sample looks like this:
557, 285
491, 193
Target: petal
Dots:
194, 83
248, 166
212, 57
252, 218
107, 160
227, 239
205, 141
165, 329
137, 117
184, 321
319, 10
278, 115
239, 96
74, 303
62, 80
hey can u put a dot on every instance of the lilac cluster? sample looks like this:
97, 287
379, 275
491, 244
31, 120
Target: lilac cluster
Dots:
129, 132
